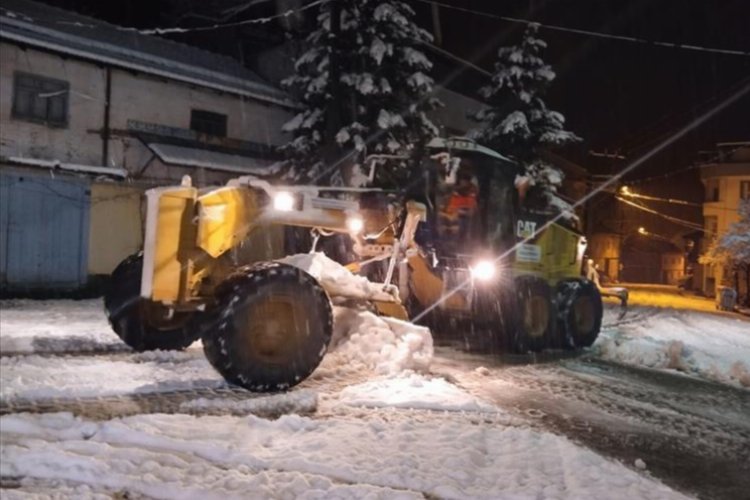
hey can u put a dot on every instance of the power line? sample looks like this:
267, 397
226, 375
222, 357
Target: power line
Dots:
259, 20
674, 220
597, 34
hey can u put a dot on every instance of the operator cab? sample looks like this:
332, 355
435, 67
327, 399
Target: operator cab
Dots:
472, 200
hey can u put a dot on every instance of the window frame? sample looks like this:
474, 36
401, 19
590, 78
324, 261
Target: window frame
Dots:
210, 118
744, 190
36, 85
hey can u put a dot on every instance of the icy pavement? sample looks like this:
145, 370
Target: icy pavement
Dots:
709, 346
383, 428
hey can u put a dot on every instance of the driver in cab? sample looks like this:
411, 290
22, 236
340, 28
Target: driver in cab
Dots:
458, 211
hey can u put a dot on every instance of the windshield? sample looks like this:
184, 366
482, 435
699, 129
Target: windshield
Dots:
474, 202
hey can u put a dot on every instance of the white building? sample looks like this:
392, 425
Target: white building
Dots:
727, 181
90, 115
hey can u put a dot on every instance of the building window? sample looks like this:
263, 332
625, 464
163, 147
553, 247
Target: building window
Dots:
208, 122
40, 99
745, 190
712, 190
711, 223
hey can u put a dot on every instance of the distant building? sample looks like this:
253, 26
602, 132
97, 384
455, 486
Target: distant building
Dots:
91, 114
727, 180
604, 249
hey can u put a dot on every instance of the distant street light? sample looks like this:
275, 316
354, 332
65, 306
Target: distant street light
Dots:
642, 230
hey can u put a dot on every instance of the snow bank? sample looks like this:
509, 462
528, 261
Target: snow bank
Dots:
705, 345
180, 456
413, 391
338, 280
385, 345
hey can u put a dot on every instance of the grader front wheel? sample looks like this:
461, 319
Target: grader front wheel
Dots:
140, 323
270, 328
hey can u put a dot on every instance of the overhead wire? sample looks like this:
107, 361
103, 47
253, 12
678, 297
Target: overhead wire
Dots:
258, 20
577, 31
675, 220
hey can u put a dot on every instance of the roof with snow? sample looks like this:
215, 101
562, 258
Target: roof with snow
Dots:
50, 28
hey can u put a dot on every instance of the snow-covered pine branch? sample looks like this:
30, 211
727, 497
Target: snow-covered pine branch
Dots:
383, 92
516, 121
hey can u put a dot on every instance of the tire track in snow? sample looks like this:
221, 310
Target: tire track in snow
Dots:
692, 434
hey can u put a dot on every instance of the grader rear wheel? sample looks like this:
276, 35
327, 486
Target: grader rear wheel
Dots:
142, 324
535, 326
270, 328
579, 314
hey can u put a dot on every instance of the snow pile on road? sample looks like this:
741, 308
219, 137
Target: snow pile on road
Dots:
385, 345
53, 326
715, 347
336, 279
413, 391
381, 456
361, 338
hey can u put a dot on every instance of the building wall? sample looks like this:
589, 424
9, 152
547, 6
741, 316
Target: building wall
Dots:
604, 249
152, 100
115, 226
721, 214
79, 141
133, 97
116, 229
672, 268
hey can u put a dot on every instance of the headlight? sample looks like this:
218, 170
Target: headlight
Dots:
484, 270
355, 224
283, 201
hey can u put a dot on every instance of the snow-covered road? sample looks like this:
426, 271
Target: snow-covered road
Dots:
165, 425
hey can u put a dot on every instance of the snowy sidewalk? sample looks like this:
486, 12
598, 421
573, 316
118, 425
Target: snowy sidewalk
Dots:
710, 346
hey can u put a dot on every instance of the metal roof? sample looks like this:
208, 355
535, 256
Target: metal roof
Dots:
46, 27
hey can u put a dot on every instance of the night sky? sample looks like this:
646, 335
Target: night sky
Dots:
617, 95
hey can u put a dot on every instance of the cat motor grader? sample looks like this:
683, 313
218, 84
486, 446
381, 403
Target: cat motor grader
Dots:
506, 270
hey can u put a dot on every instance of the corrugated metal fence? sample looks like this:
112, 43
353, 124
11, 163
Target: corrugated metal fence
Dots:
44, 225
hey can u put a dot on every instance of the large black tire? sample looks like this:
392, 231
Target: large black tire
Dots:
535, 318
142, 324
579, 313
270, 329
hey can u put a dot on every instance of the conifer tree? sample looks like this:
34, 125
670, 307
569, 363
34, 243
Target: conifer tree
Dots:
380, 88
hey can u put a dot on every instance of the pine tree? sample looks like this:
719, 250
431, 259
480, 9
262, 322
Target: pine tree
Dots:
516, 121
732, 249
382, 94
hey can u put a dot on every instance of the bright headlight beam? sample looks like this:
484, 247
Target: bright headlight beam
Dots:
283, 201
355, 224
484, 270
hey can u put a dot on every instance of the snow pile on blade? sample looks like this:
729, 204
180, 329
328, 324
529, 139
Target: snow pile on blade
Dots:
338, 280
413, 391
385, 345
362, 339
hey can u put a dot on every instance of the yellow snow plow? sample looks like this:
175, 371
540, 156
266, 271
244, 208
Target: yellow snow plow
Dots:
458, 243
